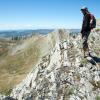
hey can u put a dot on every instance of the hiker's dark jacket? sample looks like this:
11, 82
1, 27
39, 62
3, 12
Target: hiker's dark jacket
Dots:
86, 23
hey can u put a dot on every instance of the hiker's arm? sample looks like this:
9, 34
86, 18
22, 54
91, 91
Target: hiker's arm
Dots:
82, 27
91, 21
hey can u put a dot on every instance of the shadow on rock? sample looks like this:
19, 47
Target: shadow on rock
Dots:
96, 59
9, 98
91, 61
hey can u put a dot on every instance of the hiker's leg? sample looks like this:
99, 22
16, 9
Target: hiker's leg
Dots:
82, 36
88, 33
84, 44
85, 36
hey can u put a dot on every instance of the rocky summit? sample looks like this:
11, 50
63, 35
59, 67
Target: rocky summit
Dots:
63, 73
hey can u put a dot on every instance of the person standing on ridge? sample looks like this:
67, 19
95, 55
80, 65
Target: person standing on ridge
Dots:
89, 22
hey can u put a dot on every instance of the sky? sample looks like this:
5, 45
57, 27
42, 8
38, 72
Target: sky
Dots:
40, 14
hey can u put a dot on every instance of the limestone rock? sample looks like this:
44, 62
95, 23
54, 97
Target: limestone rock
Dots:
61, 75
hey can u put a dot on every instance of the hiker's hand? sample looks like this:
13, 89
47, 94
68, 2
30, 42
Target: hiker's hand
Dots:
92, 30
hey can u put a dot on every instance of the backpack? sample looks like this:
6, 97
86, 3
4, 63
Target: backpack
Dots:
93, 24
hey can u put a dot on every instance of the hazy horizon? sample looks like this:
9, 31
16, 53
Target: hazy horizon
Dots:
44, 14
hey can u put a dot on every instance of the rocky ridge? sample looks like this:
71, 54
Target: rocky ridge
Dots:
63, 74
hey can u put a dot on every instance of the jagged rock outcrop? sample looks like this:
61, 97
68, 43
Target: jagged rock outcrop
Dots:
63, 74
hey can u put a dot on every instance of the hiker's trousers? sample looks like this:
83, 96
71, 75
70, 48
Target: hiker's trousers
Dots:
85, 36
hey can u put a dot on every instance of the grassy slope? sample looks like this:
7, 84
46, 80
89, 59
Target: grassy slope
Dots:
16, 63
14, 67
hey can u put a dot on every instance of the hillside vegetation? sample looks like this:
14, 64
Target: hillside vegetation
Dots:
19, 57
64, 73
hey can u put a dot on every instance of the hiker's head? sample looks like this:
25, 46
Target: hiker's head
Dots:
84, 10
